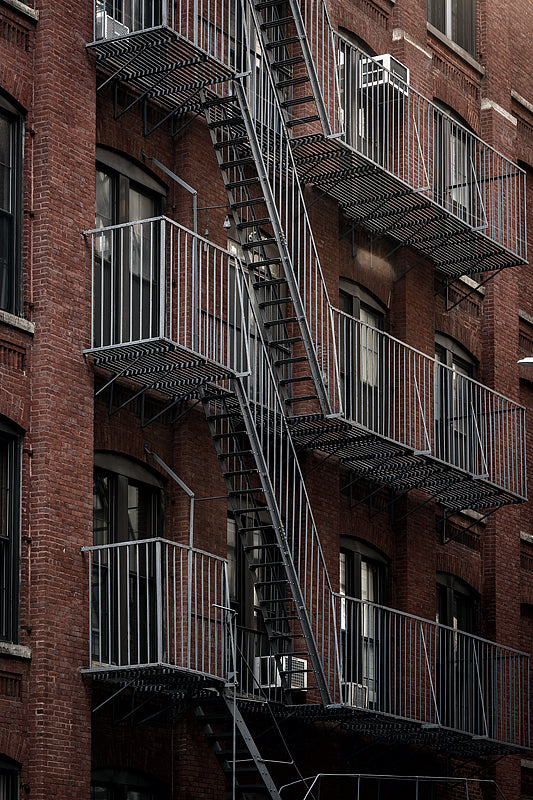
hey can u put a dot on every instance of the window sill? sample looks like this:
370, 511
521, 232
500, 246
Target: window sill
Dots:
15, 650
463, 54
17, 322
22, 8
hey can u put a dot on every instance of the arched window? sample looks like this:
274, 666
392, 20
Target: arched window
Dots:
454, 165
9, 779
11, 129
364, 640
10, 446
127, 280
127, 511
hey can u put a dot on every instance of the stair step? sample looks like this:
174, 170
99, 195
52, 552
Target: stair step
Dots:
287, 62
297, 101
269, 4
220, 101
292, 400
237, 162
280, 362
236, 454
281, 43
282, 321
267, 565
254, 547
241, 183
252, 223
276, 23
280, 342
302, 120
263, 527
297, 379
231, 142
225, 415
279, 582
269, 282
285, 84
240, 492
225, 123
258, 242
267, 262
252, 201
235, 472
278, 301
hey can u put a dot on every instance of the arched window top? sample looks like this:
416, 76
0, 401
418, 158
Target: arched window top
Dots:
357, 42
110, 160
457, 603
363, 571
359, 303
122, 465
450, 352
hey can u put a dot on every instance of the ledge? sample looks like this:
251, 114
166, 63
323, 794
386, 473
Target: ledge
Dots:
14, 321
15, 650
522, 101
22, 8
463, 54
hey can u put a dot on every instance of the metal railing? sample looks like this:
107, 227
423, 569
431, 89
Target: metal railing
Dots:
383, 787
395, 127
158, 602
410, 398
404, 666
214, 26
156, 279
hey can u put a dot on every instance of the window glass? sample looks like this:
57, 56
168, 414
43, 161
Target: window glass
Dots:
9, 535
10, 203
456, 19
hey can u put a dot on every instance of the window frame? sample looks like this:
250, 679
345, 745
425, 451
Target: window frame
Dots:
10, 778
449, 17
13, 216
10, 533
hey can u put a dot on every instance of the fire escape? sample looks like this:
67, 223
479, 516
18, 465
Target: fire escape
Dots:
260, 346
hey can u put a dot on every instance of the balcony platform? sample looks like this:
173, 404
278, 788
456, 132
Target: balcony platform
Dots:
385, 205
387, 463
159, 365
160, 678
160, 65
386, 727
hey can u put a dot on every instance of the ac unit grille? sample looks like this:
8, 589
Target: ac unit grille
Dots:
267, 671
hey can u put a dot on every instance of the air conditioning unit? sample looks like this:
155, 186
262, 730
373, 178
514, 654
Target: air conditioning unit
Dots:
107, 26
267, 672
384, 70
355, 694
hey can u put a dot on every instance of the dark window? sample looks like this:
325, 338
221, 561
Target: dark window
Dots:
127, 281
9, 779
10, 207
362, 355
457, 428
364, 637
122, 784
454, 166
459, 659
456, 19
9, 533
126, 509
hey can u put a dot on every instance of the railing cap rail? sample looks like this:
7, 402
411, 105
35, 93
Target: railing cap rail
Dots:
161, 540
431, 622
428, 358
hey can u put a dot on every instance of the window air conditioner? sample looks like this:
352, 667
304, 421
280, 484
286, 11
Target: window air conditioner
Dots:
268, 676
107, 26
355, 694
382, 71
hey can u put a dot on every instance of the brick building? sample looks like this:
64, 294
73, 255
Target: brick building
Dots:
263, 442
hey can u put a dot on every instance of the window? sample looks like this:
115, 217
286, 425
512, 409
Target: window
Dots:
459, 664
127, 507
454, 165
363, 576
457, 429
122, 784
133, 15
9, 532
127, 280
9, 779
456, 19
362, 356
10, 207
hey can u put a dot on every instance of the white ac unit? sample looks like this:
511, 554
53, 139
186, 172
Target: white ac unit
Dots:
267, 672
384, 70
107, 26
355, 694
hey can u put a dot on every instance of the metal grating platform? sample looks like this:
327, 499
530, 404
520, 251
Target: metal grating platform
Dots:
387, 206
391, 729
160, 65
160, 365
159, 678
391, 465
